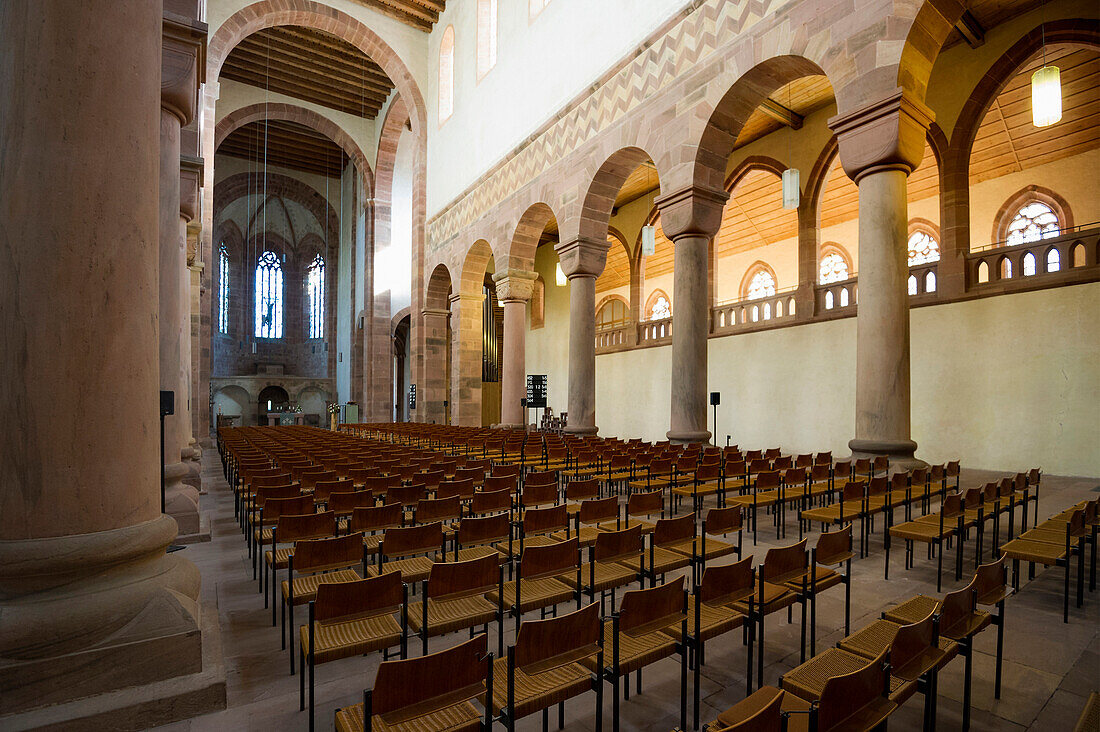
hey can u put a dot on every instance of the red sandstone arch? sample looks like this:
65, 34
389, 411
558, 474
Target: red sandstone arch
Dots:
472, 277
397, 116
525, 239
269, 13
437, 295
599, 199
307, 117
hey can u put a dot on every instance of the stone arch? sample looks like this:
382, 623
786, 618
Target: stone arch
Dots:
757, 266
955, 167
270, 13
472, 277
398, 317
1016, 201
754, 162
303, 116
397, 119
525, 239
599, 197
832, 247
439, 288
652, 300
241, 184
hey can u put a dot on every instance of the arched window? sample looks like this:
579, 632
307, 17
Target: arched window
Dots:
315, 284
835, 265
760, 282
223, 290
447, 74
923, 248
269, 296
1034, 220
658, 306
486, 36
612, 314
534, 7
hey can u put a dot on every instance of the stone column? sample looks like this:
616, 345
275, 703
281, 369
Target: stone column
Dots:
514, 289
808, 248
432, 390
690, 218
466, 353
190, 174
90, 603
880, 145
582, 261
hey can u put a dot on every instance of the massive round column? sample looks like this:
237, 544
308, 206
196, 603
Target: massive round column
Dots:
514, 289
582, 261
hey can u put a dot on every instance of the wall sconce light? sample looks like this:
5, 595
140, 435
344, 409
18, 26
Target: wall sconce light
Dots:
649, 240
559, 276
1046, 96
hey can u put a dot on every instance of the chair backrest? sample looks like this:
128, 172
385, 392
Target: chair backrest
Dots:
973, 498
727, 582
737, 468
463, 489
430, 510
957, 606
451, 580
381, 483
793, 477
845, 695
376, 518
500, 483
611, 545
503, 470
471, 474
545, 520
309, 480
783, 561
270, 477
475, 530
878, 486
598, 510
543, 494
673, 530
658, 606
991, 582
707, 472
290, 528
403, 541
549, 560
321, 555
546, 644
542, 477
834, 547
723, 520
645, 503
432, 478
805, 460
768, 480
579, 490
853, 491
344, 503
322, 489
491, 501
266, 493
899, 482
406, 495
273, 508
415, 687
913, 640
782, 463
760, 465
761, 711
345, 601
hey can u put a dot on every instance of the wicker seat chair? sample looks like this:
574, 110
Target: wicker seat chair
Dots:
540, 579
641, 508
352, 619
289, 529
577, 491
706, 481
447, 511
590, 517
781, 565
545, 667
936, 530
453, 599
484, 536
486, 502
433, 692
410, 550
268, 515
372, 521
668, 549
1051, 547
609, 565
543, 526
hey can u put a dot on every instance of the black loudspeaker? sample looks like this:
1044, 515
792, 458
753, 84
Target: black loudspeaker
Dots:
523, 402
715, 398
167, 403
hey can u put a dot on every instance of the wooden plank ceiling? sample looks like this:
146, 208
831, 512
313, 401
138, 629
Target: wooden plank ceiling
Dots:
617, 271
311, 65
420, 14
289, 145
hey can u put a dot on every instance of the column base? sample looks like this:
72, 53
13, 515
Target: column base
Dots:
181, 500
579, 430
687, 437
900, 452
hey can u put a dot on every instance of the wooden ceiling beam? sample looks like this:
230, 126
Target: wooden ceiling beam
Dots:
254, 135
287, 159
321, 42
285, 76
399, 14
291, 88
256, 55
352, 61
970, 29
781, 114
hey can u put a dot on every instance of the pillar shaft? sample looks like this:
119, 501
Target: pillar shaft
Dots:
466, 355
82, 538
432, 390
582, 354
172, 260
690, 327
513, 381
882, 321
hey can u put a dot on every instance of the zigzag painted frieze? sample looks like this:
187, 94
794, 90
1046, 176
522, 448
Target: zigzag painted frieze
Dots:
675, 53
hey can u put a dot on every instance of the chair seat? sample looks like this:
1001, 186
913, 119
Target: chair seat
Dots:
714, 620
764, 499
353, 638
647, 527
830, 514
412, 569
586, 535
1039, 552
776, 597
281, 559
808, 679
446, 616
535, 594
371, 542
879, 635
542, 540
824, 579
305, 588
912, 610
635, 651
759, 700
715, 548
703, 489
664, 560
603, 576
534, 692
479, 552
461, 717
922, 531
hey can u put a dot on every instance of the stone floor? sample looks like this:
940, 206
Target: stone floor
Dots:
1049, 667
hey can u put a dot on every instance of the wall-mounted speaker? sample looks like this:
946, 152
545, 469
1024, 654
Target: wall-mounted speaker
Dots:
167, 403
715, 398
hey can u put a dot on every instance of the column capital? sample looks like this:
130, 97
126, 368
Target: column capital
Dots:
692, 211
582, 257
515, 285
883, 135
434, 313
191, 172
183, 65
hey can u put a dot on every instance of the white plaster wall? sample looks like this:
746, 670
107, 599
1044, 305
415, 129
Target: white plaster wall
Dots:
235, 95
393, 265
547, 349
541, 66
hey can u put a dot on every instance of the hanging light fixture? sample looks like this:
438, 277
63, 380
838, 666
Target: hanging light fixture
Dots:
559, 276
1046, 91
649, 240
791, 186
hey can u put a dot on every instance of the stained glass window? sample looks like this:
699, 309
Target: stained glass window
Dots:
762, 284
223, 290
661, 308
834, 268
269, 296
1034, 221
315, 284
923, 248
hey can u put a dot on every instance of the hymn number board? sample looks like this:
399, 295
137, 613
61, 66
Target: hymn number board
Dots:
536, 391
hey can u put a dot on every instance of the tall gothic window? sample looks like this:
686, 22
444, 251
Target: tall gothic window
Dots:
1034, 221
447, 74
223, 290
833, 268
269, 296
315, 285
923, 248
486, 36
761, 284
